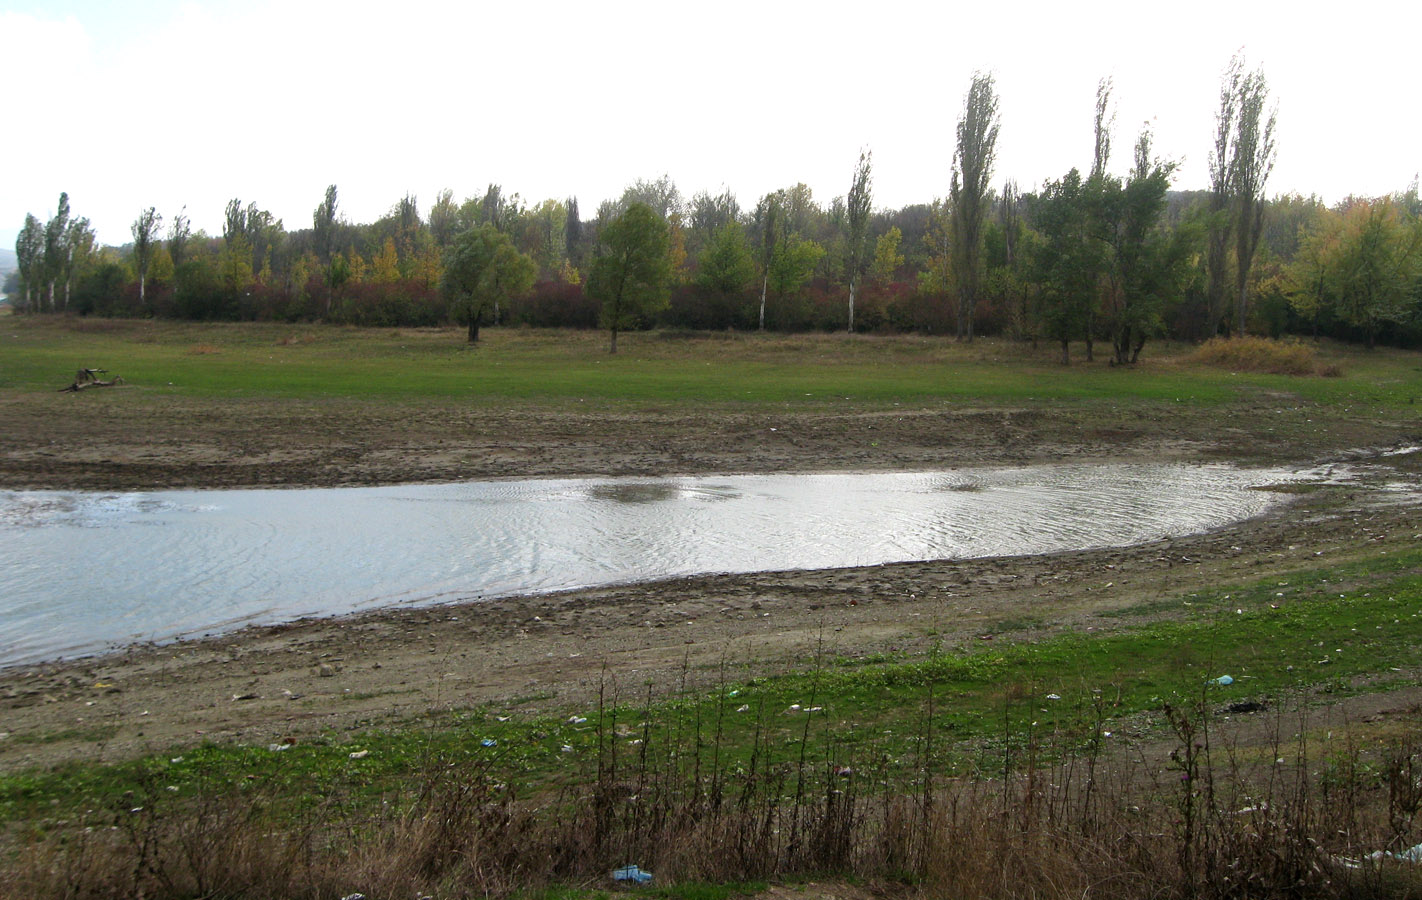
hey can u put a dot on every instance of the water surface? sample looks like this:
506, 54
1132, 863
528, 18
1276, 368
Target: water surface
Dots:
81, 572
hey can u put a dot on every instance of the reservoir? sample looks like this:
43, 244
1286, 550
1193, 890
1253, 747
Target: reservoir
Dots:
84, 572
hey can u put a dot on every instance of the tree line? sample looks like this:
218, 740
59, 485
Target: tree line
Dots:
1088, 258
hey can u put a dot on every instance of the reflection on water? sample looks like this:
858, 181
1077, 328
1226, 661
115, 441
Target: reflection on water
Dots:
83, 571
635, 492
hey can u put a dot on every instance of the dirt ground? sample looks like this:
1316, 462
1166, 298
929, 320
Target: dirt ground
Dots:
548, 652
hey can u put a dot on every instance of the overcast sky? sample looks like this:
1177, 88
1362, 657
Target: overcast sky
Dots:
172, 104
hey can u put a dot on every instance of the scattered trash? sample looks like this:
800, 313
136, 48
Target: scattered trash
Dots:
843, 771
1222, 680
353, 897
577, 720
743, 707
238, 697
632, 873
1412, 854
487, 742
277, 748
567, 748
360, 754
1054, 696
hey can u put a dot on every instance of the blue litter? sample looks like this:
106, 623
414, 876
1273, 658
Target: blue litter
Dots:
488, 742
1222, 680
632, 873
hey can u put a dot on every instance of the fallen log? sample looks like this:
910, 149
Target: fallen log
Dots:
92, 383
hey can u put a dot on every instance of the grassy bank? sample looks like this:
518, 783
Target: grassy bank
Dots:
878, 768
312, 362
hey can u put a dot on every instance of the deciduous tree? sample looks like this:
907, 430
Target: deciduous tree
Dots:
629, 278
323, 221
1251, 162
1067, 264
860, 198
145, 231
1221, 223
29, 257
726, 266
55, 250
972, 170
483, 269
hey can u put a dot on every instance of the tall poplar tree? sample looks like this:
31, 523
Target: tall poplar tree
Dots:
54, 245
857, 219
972, 170
323, 222
29, 256
1221, 225
145, 229
1250, 164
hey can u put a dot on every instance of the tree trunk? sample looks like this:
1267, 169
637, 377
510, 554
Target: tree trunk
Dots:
474, 328
141, 282
1090, 350
851, 306
1066, 352
764, 283
613, 348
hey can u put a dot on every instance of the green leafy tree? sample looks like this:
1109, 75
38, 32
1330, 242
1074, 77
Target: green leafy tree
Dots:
1147, 265
444, 219
857, 210
323, 222
1220, 222
726, 267
483, 269
1375, 267
56, 250
770, 223
629, 278
793, 264
145, 232
179, 233
29, 257
1250, 164
1067, 262
972, 170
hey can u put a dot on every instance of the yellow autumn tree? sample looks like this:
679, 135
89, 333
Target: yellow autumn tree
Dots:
385, 268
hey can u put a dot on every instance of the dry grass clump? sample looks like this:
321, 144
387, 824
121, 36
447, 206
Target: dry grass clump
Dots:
203, 350
1257, 354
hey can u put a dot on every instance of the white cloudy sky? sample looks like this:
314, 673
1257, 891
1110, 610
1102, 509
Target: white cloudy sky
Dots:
173, 104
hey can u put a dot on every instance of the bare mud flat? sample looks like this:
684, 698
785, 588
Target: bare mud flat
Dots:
549, 652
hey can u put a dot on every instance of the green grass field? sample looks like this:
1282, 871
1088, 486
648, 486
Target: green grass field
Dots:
284, 361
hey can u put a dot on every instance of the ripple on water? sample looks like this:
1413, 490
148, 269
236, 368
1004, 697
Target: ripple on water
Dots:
165, 564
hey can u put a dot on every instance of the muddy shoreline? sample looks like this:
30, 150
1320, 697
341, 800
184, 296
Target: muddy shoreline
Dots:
546, 653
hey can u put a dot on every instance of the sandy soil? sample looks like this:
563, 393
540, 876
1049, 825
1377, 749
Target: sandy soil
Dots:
548, 652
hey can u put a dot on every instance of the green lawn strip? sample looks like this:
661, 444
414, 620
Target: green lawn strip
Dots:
282, 361
871, 716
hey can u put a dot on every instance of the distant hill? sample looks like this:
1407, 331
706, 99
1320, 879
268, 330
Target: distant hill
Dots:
7, 259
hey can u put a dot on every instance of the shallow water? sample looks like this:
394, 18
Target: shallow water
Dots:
82, 572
